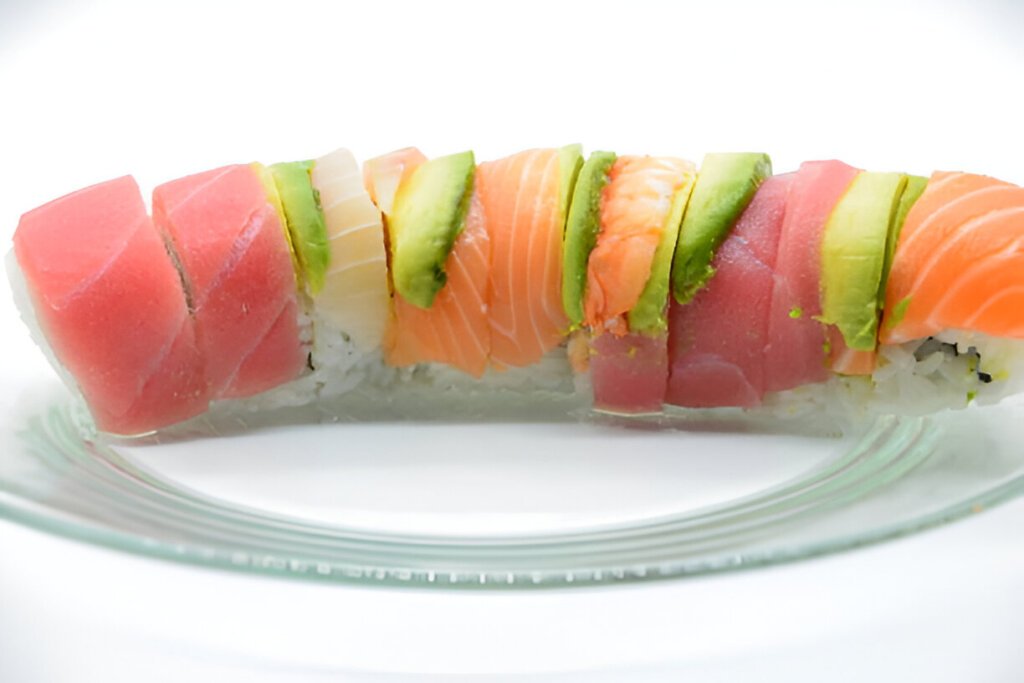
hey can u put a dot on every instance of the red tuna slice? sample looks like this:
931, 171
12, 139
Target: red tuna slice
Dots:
110, 302
797, 346
262, 369
238, 269
629, 372
717, 341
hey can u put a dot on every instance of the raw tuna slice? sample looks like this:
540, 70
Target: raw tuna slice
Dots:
717, 341
239, 274
110, 302
797, 349
629, 372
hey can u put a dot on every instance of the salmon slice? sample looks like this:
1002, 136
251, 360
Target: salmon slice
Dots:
520, 197
237, 263
635, 205
455, 330
959, 261
354, 298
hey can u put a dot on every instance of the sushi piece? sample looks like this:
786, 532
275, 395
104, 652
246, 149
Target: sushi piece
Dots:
797, 340
524, 203
352, 308
952, 322
110, 304
626, 296
237, 265
454, 329
717, 341
958, 261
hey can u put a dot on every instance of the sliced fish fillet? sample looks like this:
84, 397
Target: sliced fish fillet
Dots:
958, 262
521, 201
355, 297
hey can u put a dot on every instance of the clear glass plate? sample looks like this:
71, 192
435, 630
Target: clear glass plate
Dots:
544, 496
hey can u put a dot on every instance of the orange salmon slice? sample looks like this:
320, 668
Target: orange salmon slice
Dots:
455, 330
520, 201
958, 262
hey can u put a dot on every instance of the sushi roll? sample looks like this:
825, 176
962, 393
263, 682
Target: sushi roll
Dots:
452, 326
348, 295
954, 298
94, 280
625, 299
717, 339
229, 234
525, 207
632, 283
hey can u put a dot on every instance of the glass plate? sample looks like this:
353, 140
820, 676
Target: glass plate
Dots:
545, 496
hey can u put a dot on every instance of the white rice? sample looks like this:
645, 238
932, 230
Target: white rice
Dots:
950, 371
971, 368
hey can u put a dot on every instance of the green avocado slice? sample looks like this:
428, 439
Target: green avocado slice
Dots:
428, 214
854, 249
300, 203
725, 185
911, 193
570, 161
581, 228
648, 315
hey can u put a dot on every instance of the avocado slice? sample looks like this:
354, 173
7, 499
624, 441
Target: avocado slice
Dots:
854, 249
274, 198
911, 193
725, 185
428, 214
581, 228
570, 161
648, 315
300, 203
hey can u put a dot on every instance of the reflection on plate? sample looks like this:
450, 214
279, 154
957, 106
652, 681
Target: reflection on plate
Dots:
535, 500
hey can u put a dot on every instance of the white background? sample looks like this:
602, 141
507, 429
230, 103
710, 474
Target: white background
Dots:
92, 90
